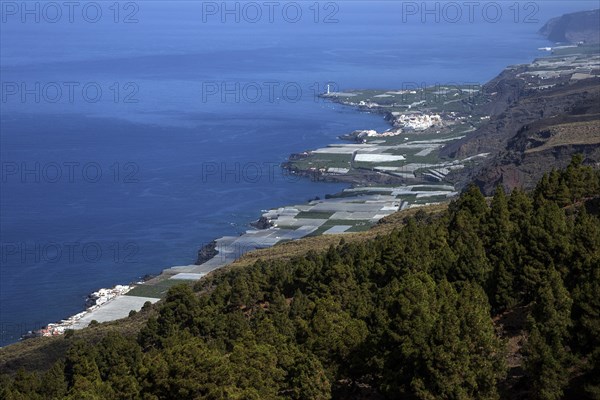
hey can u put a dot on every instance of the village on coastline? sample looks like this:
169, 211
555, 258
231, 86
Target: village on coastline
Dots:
389, 171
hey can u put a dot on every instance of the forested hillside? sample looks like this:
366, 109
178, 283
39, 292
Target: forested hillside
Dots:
417, 314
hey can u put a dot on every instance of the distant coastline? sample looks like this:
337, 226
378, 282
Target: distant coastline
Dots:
366, 161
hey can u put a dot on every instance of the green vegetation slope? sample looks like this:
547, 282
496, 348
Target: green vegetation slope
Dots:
416, 313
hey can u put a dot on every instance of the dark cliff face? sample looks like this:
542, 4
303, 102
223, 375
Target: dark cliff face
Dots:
541, 114
577, 27
543, 145
207, 252
530, 132
521, 107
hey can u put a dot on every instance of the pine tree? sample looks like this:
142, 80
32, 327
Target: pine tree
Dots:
585, 253
335, 335
24, 386
442, 342
472, 202
471, 260
586, 310
592, 381
547, 245
306, 378
547, 358
574, 178
545, 366
53, 384
500, 249
179, 311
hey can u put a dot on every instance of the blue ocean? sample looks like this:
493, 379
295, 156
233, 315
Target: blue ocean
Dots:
132, 133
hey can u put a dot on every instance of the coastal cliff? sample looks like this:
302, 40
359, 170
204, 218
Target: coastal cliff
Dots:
574, 28
207, 252
541, 113
535, 131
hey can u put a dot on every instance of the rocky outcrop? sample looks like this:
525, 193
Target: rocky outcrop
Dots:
537, 133
262, 223
540, 115
525, 108
207, 252
524, 171
577, 27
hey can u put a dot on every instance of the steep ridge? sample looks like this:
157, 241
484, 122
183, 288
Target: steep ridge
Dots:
574, 28
536, 123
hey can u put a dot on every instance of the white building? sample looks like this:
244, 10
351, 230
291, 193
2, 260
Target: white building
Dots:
417, 122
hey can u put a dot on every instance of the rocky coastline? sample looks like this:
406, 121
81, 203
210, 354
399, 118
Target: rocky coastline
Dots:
506, 104
207, 252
